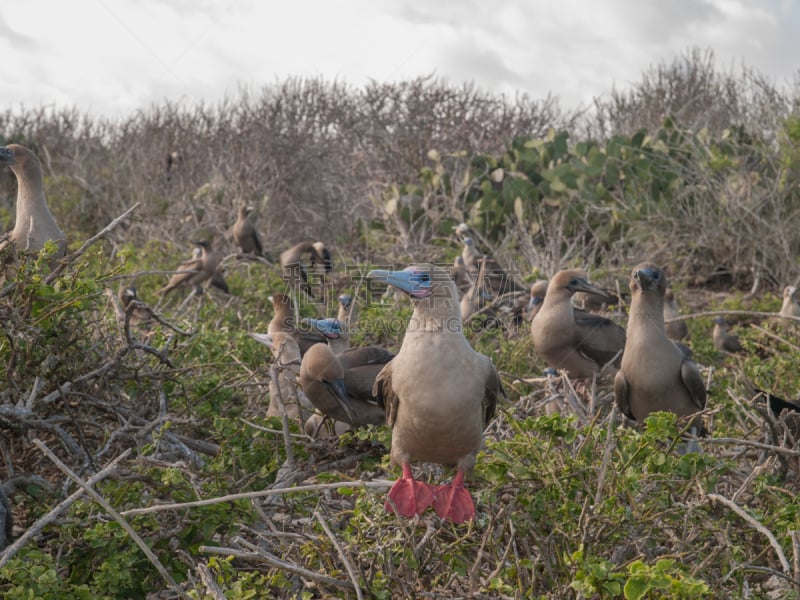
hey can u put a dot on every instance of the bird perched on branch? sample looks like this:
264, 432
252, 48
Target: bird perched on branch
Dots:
654, 375
194, 272
438, 392
140, 314
284, 321
34, 225
245, 234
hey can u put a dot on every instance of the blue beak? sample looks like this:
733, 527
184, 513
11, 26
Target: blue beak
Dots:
414, 282
330, 328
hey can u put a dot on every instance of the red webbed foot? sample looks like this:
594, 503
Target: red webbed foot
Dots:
453, 502
408, 496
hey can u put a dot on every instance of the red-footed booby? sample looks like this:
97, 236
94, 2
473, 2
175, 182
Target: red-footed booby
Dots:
341, 385
34, 224
438, 392
579, 342
283, 321
194, 272
245, 234
654, 375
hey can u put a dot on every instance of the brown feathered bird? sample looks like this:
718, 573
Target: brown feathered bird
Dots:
34, 225
245, 234
655, 375
194, 272
139, 313
439, 395
579, 342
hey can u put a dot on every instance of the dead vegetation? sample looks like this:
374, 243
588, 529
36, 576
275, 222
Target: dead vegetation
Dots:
138, 458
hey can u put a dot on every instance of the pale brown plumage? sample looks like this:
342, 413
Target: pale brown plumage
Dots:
245, 234
723, 339
283, 321
284, 394
654, 375
580, 343
537, 294
194, 272
790, 306
676, 330
34, 225
439, 393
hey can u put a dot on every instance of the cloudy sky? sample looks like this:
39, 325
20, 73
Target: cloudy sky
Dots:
111, 57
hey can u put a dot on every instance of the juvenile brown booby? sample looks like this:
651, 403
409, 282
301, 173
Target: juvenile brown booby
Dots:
341, 385
460, 275
654, 375
537, 294
194, 272
245, 234
580, 343
217, 280
438, 392
34, 224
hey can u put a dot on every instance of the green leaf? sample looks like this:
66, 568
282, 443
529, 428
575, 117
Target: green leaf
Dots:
636, 587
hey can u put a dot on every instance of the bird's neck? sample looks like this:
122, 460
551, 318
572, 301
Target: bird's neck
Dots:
30, 201
648, 312
445, 322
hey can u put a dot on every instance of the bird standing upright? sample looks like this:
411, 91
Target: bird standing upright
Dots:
34, 225
245, 234
438, 392
654, 375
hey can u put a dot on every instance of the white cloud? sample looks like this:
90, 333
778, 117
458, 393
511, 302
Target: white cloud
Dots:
112, 57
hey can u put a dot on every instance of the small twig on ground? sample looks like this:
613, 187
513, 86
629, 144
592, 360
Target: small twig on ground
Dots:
340, 551
757, 526
260, 555
384, 485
